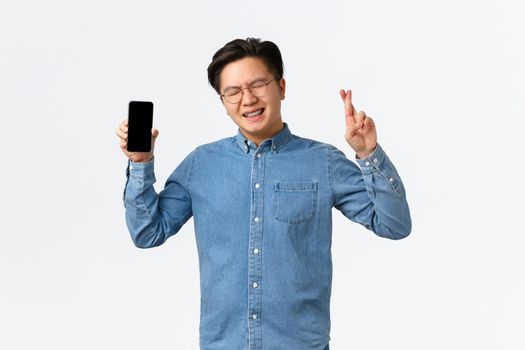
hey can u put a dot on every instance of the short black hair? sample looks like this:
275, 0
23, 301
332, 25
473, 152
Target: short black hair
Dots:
237, 49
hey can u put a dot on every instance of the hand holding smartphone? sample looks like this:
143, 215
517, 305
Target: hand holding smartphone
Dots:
137, 137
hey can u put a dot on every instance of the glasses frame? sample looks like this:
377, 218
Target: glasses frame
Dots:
242, 92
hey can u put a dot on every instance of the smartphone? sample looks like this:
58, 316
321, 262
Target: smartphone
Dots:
140, 122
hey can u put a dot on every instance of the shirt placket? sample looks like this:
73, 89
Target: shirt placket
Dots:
255, 254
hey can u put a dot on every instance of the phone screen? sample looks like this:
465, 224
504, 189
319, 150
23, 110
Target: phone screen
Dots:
140, 122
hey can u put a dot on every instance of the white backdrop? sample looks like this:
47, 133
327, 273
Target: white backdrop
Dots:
443, 81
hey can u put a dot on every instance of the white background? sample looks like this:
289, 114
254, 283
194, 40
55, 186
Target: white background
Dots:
443, 81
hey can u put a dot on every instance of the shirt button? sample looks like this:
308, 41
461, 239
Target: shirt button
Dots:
367, 163
254, 285
375, 160
274, 147
254, 316
391, 179
258, 155
257, 185
256, 219
256, 251
131, 167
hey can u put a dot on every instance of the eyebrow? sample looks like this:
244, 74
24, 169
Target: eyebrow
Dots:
238, 87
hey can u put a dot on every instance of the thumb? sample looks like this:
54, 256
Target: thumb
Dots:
154, 133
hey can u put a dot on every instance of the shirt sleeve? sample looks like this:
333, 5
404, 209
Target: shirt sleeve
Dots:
372, 194
152, 218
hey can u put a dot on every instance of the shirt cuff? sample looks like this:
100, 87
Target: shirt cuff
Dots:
373, 161
140, 169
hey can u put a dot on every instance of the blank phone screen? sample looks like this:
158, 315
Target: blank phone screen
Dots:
140, 122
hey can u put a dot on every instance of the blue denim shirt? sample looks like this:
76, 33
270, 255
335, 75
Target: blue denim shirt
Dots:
263, 226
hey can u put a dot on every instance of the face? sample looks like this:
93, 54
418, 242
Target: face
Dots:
247, 72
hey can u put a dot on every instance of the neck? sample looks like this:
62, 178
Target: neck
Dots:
259, 140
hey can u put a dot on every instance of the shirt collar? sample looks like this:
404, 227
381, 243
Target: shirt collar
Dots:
277, 140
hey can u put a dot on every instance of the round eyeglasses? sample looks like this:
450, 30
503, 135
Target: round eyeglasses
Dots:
257, 89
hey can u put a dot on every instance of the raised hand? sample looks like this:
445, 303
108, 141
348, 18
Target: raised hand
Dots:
360, 129
138, 157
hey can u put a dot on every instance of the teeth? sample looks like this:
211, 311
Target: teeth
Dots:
253, 114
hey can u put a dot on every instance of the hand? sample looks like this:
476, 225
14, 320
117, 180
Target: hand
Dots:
138, 157
360, 129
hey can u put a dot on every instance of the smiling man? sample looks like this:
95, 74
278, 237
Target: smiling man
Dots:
262, 205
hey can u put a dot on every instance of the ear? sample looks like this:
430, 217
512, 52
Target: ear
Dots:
222, 101
226, 111
282, 86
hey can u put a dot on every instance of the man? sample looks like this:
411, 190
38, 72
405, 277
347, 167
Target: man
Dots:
262, 202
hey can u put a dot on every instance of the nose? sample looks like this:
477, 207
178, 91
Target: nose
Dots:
247, 97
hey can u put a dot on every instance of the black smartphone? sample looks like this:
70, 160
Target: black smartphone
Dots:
140, 122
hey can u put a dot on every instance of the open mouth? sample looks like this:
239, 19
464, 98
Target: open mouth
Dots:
253, 114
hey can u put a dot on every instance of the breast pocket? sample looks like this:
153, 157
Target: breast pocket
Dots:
295, 202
